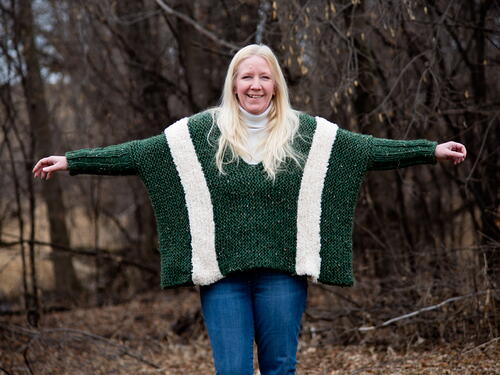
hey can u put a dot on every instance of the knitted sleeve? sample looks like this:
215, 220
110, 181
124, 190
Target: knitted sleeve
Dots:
391, 154
114, 160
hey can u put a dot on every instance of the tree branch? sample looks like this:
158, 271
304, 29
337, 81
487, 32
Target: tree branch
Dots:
103, 253
197, 26
428, 308
263, 10
36, 334
482, 345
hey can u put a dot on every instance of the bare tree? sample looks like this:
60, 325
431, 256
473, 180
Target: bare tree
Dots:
34, 91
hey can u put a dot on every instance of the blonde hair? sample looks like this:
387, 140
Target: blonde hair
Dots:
283, 120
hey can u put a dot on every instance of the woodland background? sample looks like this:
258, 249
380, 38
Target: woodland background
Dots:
77, 73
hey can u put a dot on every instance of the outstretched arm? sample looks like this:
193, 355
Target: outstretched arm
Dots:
391, 154
114, 160
45, 167
452, 151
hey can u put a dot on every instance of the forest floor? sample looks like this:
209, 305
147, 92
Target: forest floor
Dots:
163, 333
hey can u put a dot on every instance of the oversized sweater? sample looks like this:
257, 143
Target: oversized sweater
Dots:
212, 224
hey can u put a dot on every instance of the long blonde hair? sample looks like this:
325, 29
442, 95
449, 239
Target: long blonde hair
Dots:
283, 120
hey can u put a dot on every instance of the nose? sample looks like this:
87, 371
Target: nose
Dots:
256, 84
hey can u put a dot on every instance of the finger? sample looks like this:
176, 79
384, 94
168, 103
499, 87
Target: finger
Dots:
450, 154
458, 147
37, 165
38, 172
464, 151
50, 168
41, 163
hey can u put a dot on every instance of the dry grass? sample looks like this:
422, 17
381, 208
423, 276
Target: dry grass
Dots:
162, 333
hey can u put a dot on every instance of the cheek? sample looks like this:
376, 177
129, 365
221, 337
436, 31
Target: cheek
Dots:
236, 86
272, 89
239, 87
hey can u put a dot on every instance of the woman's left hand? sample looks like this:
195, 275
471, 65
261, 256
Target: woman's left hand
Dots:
453, 151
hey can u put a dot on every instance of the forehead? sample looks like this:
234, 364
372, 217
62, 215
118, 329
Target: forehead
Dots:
254, 63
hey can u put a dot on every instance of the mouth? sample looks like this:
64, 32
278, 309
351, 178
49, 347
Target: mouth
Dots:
255, 96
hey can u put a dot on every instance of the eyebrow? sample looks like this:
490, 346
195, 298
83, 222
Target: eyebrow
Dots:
253, 72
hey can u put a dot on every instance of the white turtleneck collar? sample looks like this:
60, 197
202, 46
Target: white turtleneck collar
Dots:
255, 122
256, 127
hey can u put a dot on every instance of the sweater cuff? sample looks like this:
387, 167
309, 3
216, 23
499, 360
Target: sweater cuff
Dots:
111, 160
392, 154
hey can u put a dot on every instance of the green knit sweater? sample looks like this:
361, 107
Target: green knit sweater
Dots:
212, 224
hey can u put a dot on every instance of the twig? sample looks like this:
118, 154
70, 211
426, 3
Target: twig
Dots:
36, 334
482, 345
105, 254
24, 311
17, 329
485, 137
126, 350
345, 298
428, 308
6, 264
25, 357
196, 25
407, 66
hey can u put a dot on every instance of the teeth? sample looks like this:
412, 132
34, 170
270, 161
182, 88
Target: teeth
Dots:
255, 96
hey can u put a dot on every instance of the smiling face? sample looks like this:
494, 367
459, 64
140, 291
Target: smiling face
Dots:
254, 84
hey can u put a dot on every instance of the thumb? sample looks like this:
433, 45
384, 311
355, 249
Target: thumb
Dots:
454, 154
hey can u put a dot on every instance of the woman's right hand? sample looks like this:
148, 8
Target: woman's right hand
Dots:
46, 166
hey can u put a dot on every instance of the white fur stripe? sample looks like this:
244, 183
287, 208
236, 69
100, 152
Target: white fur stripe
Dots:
308, 259
199, 204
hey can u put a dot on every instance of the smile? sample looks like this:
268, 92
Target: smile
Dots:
255, 96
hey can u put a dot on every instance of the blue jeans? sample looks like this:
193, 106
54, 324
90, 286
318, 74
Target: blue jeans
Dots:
263, 305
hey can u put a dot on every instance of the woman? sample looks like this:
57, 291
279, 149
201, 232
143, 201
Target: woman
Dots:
251, 197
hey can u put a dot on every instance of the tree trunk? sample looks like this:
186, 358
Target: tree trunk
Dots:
65, 278
485, 188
